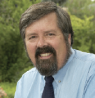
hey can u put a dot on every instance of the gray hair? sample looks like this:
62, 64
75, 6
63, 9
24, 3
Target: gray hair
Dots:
37, 11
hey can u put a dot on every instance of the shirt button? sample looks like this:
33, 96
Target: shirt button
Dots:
59, 81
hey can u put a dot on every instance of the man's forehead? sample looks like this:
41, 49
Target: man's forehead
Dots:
51, 17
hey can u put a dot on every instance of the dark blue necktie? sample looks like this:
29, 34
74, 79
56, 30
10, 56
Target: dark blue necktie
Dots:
48, 89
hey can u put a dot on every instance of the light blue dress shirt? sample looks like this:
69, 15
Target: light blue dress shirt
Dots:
74, 80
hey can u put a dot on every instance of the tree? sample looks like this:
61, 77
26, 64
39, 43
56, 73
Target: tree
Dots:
60, 2
83, 34
83, 9
12, 54
79, 7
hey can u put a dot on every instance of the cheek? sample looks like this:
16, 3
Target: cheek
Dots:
30, 47
57, 45
31, 51
60, 47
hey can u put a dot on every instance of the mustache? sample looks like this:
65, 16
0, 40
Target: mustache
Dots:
45, 49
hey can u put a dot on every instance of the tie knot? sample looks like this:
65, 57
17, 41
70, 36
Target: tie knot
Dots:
49, 79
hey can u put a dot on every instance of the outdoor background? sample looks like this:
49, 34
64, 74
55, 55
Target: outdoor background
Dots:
13, 59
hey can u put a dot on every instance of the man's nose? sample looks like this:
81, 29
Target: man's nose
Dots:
41, 42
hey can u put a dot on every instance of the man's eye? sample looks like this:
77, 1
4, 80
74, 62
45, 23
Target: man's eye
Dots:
32, 37
51, 34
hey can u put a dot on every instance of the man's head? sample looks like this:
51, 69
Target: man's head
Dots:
47, 33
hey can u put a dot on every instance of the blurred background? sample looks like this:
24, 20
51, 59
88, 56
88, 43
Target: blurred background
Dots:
13, 59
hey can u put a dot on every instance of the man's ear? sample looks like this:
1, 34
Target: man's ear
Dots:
69, 39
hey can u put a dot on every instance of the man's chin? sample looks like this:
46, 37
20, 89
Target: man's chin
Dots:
47, 67
46, 72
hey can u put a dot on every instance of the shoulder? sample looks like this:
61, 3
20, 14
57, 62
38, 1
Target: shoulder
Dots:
86, 61
29, 76
84, 56
30, 72
27, 83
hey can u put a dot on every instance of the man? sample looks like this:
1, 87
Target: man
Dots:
48, 36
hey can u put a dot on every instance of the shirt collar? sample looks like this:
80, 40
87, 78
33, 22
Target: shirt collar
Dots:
58, 77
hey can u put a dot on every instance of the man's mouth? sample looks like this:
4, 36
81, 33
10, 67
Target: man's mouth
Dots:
45, 55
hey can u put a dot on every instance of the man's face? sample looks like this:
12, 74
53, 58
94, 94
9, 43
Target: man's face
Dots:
46, 45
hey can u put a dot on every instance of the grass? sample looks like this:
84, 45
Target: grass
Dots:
9, 88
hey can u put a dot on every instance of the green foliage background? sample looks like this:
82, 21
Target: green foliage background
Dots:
13, 59
83, 22
9, 89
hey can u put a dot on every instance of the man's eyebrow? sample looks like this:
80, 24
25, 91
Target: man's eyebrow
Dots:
31, 34
50, 31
